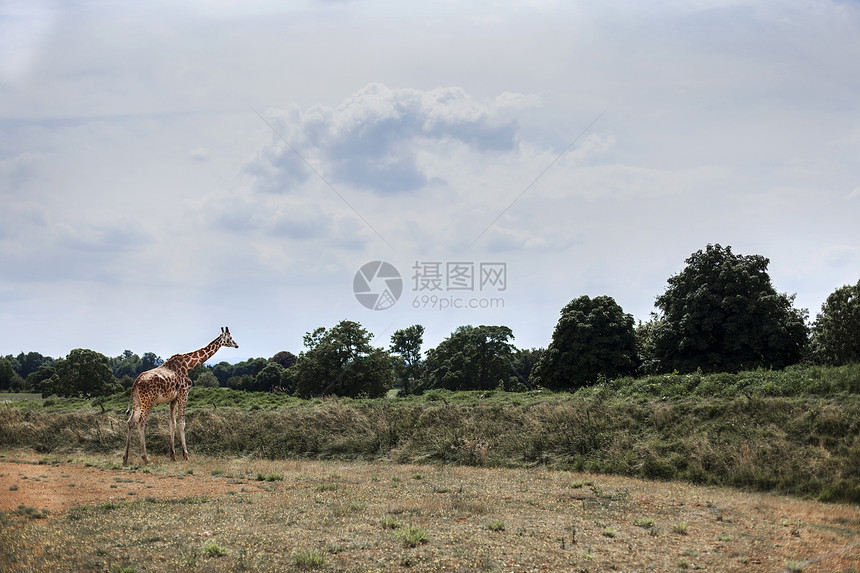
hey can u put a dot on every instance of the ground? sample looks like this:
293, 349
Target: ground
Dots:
87, 512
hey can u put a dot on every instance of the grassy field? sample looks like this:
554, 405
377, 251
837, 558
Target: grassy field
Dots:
244, 514
466, 481
795, 432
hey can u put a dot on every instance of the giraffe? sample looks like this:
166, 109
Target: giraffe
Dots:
168, 383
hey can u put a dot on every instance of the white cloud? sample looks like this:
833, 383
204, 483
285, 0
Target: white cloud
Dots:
842, 256
24, 27
199, 153
15, 171
371, 140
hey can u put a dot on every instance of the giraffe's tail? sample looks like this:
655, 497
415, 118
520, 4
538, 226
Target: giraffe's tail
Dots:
130, 401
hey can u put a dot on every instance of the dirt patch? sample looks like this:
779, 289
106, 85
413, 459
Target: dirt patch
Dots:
247, 514
58, 486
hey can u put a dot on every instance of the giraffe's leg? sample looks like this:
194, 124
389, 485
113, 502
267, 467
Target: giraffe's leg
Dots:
172, 424
132, 421
141, 423
181, 422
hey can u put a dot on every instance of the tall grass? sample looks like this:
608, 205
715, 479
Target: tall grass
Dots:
795, 431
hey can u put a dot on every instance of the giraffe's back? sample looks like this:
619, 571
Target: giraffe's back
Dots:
158, 386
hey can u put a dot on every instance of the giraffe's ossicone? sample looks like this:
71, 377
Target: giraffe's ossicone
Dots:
168, 383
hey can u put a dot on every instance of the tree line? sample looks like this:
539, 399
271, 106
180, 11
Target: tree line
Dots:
721, 313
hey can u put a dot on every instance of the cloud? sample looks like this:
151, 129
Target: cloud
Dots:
371, 141
24, 28
83, 252
199, 154
17, 170
841, 256
265, 215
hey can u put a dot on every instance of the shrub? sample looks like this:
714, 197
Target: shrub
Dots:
213, 549
412, 536
306, 559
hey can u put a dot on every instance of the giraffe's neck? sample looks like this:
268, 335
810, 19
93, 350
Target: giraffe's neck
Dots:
198, 357
190, 361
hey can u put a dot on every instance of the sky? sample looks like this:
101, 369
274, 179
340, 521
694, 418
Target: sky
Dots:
169, 168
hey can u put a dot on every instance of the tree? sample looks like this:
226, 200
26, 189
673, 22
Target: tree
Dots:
268, 378
646, 344
836, 332
206, 380
340, 361
285, 358
472, 358
82, 374
44, 380
126, 364
7, 374
523, 362
406, 344
721, 313
30, 362
240, 382
223, 371
149, 361
593, 337
249, 367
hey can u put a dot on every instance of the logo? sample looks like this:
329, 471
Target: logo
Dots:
377, 285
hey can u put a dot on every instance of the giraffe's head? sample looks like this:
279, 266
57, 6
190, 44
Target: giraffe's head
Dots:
226, 339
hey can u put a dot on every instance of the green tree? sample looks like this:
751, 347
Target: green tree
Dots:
30, 362
240, 382
223, 371
7, 373
472, 358
269, 378
593, 337
523, 362
285, 358
836, 332
126, 364
126, 382
37, 379
82, 374
340, 361
721, 313
10, 379
149, 361
646, 349
206, 380
406, 344
250, 367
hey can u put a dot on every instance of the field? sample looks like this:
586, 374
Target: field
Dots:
237, 514
663, 473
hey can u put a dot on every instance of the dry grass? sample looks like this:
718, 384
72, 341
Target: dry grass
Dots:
804, 446
214, 514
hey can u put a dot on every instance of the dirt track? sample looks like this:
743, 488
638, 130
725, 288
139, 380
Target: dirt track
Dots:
59, 487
